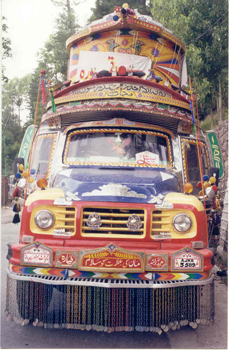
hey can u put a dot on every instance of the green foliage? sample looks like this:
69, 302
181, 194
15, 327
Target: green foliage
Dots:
6, 47
53, 57
202, 25
104, 7
13, 95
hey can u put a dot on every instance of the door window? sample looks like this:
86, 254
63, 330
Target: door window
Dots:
42, 155
191, 162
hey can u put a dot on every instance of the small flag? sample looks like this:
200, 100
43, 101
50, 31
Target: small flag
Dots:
53, 102
43, 87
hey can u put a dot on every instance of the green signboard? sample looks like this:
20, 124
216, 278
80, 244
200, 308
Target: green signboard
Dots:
26, 143
216, 153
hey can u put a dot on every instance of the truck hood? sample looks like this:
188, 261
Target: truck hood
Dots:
116, 185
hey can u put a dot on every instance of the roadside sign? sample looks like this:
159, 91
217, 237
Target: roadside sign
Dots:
216, 153
26, 143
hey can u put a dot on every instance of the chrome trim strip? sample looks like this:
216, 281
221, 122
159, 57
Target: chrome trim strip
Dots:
107, 283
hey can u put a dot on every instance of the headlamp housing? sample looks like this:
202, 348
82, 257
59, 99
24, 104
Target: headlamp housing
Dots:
44, 219
182, 222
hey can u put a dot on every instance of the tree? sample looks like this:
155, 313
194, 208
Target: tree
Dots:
13, 96
202, 25
103, 7
53, 57
6, 47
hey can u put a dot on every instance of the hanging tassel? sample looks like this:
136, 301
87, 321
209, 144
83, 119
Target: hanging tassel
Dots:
216, 203
43, 87
53, 102
193, 120
16, 210
16, 207
16, 219
16, 192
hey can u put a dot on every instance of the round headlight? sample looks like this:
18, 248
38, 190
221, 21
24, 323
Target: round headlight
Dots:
182, 222
44, 219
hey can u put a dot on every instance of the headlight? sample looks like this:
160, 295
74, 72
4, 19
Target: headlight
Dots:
182, 222
44, 219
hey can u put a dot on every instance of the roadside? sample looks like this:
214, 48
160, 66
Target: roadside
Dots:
7, 213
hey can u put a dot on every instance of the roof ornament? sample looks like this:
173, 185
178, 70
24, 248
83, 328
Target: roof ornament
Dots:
122, 13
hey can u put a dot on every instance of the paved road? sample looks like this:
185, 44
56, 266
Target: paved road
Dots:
19, 337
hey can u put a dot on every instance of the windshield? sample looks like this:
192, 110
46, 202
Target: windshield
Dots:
118, 147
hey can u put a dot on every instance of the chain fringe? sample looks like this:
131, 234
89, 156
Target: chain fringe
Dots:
109, 310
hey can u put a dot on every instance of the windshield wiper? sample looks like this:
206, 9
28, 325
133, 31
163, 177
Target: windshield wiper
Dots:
116, 168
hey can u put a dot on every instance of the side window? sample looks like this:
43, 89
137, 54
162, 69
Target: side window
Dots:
191, 161
42, 155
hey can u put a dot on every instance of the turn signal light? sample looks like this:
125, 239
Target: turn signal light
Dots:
42, 183
188, 188
27, 239
197, 245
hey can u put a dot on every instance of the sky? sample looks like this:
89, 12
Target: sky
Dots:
30, 22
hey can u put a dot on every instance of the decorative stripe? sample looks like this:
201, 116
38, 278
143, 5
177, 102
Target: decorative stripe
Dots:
163, 276
181, 276
178, 114
135, 96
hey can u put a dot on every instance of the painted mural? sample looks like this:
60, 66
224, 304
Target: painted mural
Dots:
165, 56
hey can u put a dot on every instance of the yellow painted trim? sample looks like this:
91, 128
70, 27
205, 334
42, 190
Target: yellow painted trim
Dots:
58, 223
168, 225
184, 198
49, 194
126, 94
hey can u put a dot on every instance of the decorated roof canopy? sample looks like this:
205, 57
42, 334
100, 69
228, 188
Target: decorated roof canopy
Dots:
126, 38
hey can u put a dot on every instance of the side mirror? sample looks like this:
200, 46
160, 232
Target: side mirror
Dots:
17, 162
214, 172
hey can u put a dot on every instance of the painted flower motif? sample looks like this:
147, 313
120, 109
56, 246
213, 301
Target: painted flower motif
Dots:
142, 18
125, 42
95, 48
109, 18
155, 52
128, 51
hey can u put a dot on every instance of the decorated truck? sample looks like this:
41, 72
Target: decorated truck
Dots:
114, 232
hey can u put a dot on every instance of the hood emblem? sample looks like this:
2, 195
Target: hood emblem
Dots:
156, 199
94, 221
134, 223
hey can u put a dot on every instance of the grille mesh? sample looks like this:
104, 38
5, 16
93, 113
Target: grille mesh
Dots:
113, 221
161, 222
65, 219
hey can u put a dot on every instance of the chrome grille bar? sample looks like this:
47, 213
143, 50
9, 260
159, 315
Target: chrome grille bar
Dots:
106, 283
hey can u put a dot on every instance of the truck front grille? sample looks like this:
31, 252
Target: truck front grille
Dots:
66, 218
161, 222
113, 220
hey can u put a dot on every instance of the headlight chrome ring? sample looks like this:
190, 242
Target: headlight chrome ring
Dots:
44, 219
182, 222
